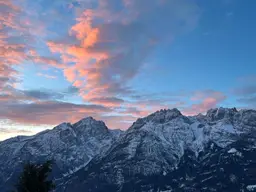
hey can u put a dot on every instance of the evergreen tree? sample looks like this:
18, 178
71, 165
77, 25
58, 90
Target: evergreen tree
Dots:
34, 178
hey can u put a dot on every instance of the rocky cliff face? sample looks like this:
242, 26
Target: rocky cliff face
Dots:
164, 151
70, 146
169, 151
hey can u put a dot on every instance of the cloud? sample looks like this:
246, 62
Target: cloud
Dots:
34, 95
46, 76
12, 130
110, 44
48, 112
71, 90
246, 94
246, 90
135, 111
47, 61
47, 94
43, 95
118, 121
251, 100
207, 99
12, 36
4, 97
248, 79
114, 39
6, 133
141, 108
104, 49
200, 95
17, 43
107, 101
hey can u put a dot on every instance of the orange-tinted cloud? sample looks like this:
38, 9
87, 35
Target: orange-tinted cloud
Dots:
111, 44
47, 61
106, 48
78, 83
70, 74
17, 44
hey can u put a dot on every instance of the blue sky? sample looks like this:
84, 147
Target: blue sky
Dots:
120, 60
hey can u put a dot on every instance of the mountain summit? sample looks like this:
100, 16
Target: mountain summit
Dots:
165, 151
70, 146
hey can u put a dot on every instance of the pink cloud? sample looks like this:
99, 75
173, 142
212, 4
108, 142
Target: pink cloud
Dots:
70, 74
48, 112
78, 83
207, 99
107, 101
104, 55
106, 48
17, 44
47, 61
57, 47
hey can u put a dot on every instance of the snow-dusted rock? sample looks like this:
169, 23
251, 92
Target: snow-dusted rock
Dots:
251, 187
70, 146
166, 151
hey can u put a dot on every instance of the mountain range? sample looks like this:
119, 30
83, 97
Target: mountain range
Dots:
165, 151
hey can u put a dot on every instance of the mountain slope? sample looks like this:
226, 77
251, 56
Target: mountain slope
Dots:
70, 146
168, 151
165, 151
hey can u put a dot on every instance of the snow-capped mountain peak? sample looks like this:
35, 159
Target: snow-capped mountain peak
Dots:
163, 115
220, 113
178, 150
89, 121
90, 127
166, 145
71, 146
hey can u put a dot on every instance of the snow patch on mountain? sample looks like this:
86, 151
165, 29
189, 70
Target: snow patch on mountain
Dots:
71, 146
156, 144
251, 187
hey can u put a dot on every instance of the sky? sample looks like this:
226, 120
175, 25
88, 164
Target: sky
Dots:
118, 60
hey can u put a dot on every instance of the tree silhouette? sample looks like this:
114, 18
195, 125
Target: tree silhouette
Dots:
34, 178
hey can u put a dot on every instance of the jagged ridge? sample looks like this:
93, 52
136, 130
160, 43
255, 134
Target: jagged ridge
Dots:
162, 145
166, 144
70, 146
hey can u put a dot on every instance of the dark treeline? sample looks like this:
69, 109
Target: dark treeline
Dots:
34, 178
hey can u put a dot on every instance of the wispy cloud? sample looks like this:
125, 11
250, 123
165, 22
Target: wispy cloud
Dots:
102, 48
246, 95
114, 39
17, 40
34, 95
47, 76
11, 132
245, 90
249, 79
48, 112
108, 101
43, 95
250, 101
